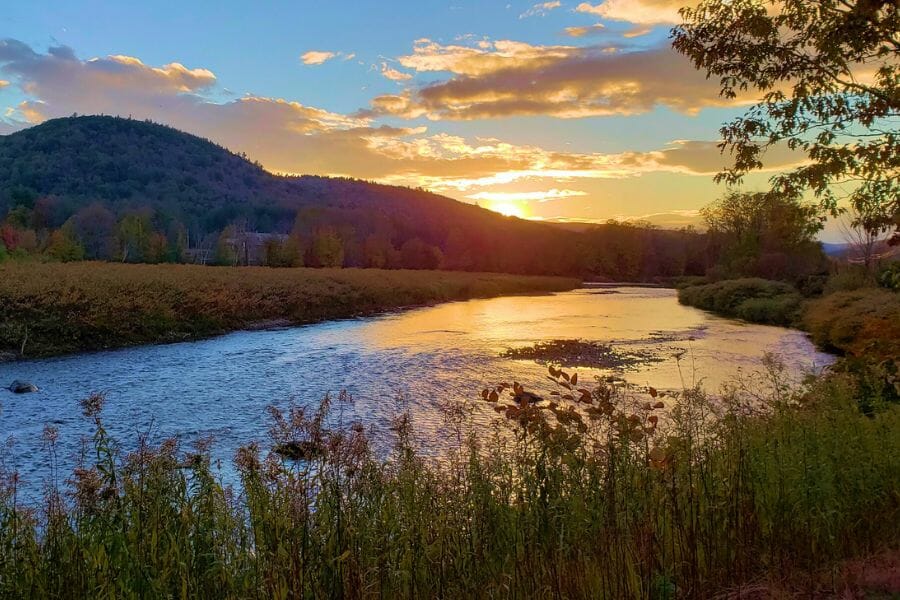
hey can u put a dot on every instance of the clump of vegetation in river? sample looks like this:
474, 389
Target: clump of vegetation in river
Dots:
54, 308
581, 353
593, 492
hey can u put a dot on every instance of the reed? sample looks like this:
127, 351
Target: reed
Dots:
596, 491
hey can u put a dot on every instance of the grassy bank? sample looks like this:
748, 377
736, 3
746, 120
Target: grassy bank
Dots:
614, 499
852, 318
50, 309
752, 299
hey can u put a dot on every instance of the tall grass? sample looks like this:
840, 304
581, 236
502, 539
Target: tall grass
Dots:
56, 308
594, 492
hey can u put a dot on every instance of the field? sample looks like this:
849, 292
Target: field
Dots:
48, 309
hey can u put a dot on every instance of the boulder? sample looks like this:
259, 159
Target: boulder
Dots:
22, 387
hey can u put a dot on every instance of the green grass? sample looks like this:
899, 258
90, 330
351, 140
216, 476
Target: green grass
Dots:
56, 308
755, 300
619, 498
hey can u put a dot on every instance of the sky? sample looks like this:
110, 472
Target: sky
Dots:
559, 110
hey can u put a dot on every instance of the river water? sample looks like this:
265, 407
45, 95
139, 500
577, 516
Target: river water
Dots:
410, 359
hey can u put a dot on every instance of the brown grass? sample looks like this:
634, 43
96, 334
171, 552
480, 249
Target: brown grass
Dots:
57, 308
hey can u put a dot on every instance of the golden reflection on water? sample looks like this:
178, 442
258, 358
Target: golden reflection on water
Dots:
713, 348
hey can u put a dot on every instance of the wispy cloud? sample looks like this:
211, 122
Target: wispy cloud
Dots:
539, 196
541, 9
585, 30
393, 74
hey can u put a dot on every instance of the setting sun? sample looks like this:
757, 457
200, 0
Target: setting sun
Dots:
510, 209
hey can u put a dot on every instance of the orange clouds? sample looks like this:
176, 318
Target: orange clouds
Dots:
393, 74
496, 78
483, 58
506, 78
586, 30
639, 12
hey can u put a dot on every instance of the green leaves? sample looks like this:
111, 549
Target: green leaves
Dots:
828, 74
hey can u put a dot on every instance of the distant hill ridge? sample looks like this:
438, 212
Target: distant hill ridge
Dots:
102, 182
128, 163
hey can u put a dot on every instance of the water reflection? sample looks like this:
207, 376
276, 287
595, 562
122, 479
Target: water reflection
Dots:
222, 386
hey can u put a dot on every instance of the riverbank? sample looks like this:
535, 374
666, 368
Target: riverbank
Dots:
861, 325
56, 308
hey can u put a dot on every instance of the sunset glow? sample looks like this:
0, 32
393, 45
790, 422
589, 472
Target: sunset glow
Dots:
509, 209
617, 124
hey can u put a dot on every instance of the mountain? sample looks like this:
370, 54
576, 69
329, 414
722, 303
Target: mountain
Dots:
128, 165
89, 173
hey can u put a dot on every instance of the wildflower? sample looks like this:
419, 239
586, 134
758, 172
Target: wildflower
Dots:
92, 406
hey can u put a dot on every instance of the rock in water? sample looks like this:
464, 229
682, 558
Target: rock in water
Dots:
22, 387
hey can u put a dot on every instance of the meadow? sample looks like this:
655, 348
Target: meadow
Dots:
597, 492
54, 308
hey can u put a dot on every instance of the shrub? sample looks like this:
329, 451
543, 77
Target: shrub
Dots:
847, 279
889, 276
779, 310
757, 300
690, 281
864, 322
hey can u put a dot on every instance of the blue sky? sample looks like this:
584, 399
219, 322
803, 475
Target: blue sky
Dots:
556, 110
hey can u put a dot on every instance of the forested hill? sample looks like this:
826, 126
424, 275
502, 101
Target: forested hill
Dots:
98, 180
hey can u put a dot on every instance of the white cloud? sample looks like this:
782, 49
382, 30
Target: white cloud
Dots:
317, 57
541, 9
639, 12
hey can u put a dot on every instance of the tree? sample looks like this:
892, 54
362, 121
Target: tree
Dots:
133, 236
829, 75
765, 235
95, 228
416, 254
862, 236
282, 253
63, 246
327, 249
379, 253
226, 251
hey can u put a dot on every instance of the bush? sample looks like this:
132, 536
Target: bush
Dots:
690, 281
864, 322
847, 279
757, 300
889, 276
779, 310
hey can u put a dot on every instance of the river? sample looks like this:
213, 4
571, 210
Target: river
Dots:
408, 359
